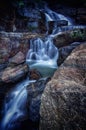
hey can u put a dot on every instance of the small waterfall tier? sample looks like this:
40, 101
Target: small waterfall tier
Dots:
42, 54
54, 16
15, 105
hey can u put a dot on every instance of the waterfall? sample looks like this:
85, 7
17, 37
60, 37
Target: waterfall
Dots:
53, 16
15, 105
42, 56
42, 51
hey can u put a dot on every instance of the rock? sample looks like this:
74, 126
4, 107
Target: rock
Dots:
3, 66
42, 23
68, 37
34, 74
54, 24
5, 48
63, 102
65, 51
35, 91
18, 58
12, 74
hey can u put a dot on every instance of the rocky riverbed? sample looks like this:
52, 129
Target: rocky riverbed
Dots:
55, 39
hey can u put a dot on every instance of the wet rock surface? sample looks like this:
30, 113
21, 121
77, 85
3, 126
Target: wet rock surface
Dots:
56, 24
63, 102
65, 51
34, 74
35, 91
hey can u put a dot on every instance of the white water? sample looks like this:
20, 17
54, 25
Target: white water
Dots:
42, 50
43, 56
53, 16
15, 108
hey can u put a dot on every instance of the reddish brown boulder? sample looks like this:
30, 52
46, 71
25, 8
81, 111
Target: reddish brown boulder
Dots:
63, 103
12, 74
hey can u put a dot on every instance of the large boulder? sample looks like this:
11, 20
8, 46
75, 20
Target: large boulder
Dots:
63, 103
73, 34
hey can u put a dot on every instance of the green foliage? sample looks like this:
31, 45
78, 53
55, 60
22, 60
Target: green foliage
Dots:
79, 34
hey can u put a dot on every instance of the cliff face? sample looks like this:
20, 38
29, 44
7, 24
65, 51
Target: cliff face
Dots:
63, 102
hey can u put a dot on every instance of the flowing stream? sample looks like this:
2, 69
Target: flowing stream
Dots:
15, 104
42, 56
53, 16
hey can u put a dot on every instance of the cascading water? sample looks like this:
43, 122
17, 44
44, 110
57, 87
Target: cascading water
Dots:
15, 105
53, 16
42, 56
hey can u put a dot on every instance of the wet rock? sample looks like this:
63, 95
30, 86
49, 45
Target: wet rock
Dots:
65, 51
13, 73
34, 75
68, 37
18, 58
42, 23
35, 91
2, 66
63, 102
54, 24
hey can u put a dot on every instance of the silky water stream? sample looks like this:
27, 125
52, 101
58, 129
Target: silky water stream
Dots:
42, 56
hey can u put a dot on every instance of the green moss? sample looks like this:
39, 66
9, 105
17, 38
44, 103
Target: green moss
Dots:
79, 34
